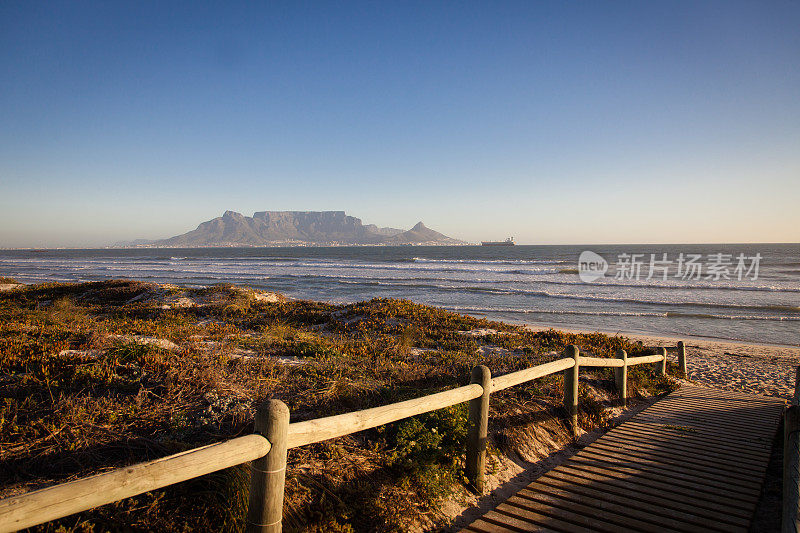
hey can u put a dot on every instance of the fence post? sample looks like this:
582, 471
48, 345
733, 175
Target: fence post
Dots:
663, 368
621, 377
571, 388
790, 521
682, 359
478, 428
268, 474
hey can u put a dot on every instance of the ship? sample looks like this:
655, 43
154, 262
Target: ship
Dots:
507, 242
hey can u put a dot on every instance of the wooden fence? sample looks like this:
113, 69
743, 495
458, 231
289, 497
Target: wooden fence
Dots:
266, 449
790, 519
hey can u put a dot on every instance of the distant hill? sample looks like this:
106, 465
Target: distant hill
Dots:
421, 233
289, 228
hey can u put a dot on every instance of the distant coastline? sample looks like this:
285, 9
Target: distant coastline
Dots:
268, 245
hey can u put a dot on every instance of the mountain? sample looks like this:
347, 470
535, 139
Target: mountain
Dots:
288, 228
421, 233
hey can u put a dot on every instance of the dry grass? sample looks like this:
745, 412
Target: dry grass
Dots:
75, 400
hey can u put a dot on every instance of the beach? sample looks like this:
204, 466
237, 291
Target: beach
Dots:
766, 369
159, 363
732, 364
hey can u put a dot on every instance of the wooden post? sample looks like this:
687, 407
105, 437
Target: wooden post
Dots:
796, 400
478, 428
268, 474
663, 363
621, 378
682, 359
571, 388
790, 521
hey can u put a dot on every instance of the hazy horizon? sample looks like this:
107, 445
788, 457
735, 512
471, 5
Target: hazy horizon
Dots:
580, 123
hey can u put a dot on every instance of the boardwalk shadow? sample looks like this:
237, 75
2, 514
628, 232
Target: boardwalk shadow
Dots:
693, 461
535, 469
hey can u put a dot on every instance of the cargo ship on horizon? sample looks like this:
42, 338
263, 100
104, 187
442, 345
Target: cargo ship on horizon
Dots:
507, 242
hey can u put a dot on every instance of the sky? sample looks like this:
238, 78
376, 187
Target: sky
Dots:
554, 122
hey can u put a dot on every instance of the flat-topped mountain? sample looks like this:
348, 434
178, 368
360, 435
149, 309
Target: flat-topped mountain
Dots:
287, 228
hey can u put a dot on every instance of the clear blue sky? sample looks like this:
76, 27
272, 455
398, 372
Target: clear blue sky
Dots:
555, 122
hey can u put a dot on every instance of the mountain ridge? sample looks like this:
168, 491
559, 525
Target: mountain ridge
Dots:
299, 228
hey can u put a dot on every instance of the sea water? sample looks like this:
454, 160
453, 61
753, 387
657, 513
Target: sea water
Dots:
522, 284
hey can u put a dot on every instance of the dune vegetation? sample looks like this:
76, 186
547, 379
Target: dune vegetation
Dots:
95, 376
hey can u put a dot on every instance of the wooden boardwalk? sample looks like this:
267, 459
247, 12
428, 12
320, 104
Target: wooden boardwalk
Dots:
693, 461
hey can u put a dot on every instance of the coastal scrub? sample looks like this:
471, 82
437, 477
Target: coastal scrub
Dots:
100, 375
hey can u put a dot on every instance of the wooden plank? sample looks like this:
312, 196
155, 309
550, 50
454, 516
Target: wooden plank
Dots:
576, 523
663, 483
712, 415
725, 403
581, 515
719, 428
756, 414
694, 462
675, 478
697, 394
637, 503
756, 443
698, 492
631, 490
649, 468
754, 449
695, 456
694, 391
680, 458
654, 464
616, 515
31, 508
731, 397
690, 440
504, 522
711, 420
754, 452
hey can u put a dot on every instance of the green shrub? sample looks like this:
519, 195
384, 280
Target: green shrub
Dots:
427, 450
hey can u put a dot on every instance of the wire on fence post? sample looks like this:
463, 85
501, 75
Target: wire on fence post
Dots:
478, 429
268, 474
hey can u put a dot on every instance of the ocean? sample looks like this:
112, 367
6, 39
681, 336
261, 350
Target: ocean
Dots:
748, 292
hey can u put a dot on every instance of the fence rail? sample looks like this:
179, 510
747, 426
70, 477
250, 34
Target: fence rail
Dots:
266, 449
37, 507
320, 429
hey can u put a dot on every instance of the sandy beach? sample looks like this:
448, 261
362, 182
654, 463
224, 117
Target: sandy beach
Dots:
766, 369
